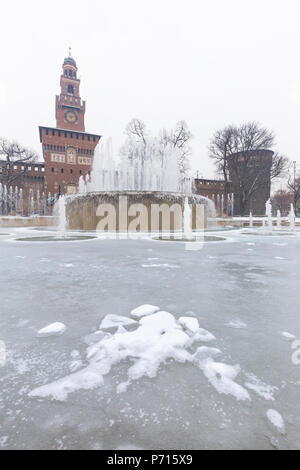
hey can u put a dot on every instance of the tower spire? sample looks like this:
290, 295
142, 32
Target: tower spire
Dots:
70, 51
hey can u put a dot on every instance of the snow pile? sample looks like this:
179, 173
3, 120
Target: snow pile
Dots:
276, 419
288, 336
259, 387
221, 376
191, 325
144, 310
157, 338
115, 321
55, 329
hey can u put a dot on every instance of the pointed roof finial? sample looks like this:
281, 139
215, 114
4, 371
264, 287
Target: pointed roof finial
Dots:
70, 51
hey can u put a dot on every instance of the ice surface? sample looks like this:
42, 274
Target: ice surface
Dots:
158, 338
179, 408
276, 419
95, 337
164, 265
144, 310
238, 324
114, 321
3, 440
55, 329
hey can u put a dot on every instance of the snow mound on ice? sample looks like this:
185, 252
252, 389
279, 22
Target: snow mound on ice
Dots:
189, 323
191, 326
221, 376
276, 419
85, 379
288, 336
114, 321
55, 329
259, 387
158, 338
144, 310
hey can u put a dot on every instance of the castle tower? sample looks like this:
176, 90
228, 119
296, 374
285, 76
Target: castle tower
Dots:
67, 149
70, 110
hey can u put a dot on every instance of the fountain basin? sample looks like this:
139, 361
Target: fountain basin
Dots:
133, 211
268, 234
52, 238
205, 239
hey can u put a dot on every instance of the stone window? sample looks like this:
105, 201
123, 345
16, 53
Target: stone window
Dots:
56, 157
84, 161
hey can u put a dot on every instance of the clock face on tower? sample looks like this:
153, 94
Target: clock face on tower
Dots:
71, 117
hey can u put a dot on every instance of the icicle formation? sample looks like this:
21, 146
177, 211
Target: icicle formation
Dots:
148, 169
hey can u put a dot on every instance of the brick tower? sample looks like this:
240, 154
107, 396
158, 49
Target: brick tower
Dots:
69, 109
67, 149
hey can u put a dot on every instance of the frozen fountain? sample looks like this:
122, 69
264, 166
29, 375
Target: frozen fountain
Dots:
251, 220
269, 215
146, 177
267, 223
292, 218
16, 202
62, 220
187, 216
278, 220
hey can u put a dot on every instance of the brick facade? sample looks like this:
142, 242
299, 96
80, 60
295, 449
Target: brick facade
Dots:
27, 194
67, 155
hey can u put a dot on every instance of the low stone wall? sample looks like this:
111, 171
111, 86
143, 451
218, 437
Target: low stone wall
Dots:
33, 221
133, 211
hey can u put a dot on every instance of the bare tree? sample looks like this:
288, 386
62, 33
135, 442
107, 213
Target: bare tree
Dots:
281, 200
136, 129
221, 146
180, 137
241, 153
294, 186
13, 155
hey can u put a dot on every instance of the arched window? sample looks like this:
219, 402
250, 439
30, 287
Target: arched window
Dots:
70, 73
71, 89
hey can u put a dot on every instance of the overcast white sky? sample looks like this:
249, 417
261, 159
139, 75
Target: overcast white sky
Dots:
211, 63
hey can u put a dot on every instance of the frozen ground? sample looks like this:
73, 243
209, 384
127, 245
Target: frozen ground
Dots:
213, 371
